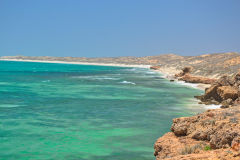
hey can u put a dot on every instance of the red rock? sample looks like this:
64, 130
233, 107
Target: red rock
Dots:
155, 67
217, 128
236, 144
197, 79
226, 92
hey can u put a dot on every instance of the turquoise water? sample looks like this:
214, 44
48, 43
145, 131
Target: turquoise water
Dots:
81, 112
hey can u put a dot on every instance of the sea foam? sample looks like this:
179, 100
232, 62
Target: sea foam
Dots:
212, 106
188, 84
127, 82
97, 77
46, 81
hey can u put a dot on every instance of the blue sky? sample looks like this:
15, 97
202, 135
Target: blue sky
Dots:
109, 28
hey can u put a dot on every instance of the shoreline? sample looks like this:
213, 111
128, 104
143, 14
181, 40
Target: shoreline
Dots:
80, 63
167, 73
212, 134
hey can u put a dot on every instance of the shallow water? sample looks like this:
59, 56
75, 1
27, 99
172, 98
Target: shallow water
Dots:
81, 112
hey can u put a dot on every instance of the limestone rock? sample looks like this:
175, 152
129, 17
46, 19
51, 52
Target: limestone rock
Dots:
196, 79
218, 130
227, 92
185, 70
155, 67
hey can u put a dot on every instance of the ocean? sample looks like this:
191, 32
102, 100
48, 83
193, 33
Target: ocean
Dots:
54, 111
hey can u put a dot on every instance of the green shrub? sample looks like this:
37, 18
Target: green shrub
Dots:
207, 148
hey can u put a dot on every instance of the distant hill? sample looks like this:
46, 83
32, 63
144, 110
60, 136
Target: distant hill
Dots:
209, 65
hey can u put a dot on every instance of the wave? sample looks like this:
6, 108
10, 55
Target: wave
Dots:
108, 78
127, 82
9, 105
102, 78
150, 72
97, 77
212, 106
131, 69
46, 81
188, 84
137, 70
195, 103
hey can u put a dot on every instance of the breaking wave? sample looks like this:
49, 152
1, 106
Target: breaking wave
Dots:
127, 82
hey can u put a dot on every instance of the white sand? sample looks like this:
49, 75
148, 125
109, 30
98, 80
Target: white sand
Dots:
81, 63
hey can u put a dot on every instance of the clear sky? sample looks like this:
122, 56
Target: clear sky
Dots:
103, 28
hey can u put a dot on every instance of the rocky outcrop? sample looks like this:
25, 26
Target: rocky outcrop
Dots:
225, 91
214, 134
185, 75
185, 70
155, 67
196, 79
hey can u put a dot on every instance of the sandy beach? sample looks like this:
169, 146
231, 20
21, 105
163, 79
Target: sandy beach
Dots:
81, 63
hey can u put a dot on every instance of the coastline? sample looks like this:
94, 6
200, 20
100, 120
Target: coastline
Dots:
150, 83
168, 73
212, 134
80, 63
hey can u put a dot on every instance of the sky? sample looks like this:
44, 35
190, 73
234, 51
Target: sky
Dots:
110, 28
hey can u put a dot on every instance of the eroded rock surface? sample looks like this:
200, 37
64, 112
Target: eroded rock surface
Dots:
197, 79
225, 91
185, 70
185, 75
155, 67
214, 134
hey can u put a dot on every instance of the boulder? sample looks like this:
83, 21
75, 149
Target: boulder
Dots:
185, 70
237, 77
224, 106
196, 79
227, 92
236, 144
227, 102
225, 81
237, 80
180, 126
155, 67
211, 94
